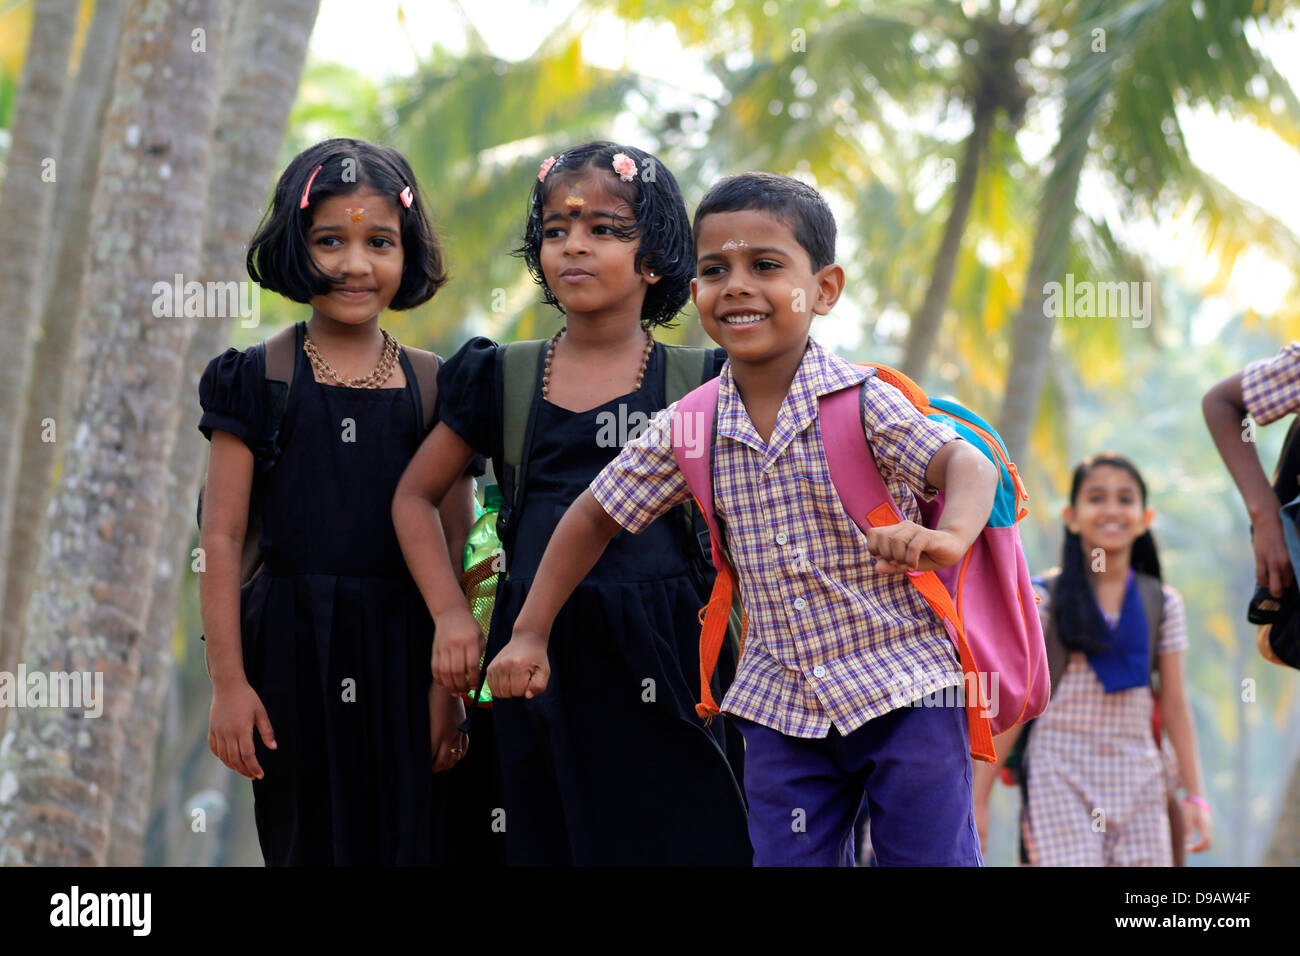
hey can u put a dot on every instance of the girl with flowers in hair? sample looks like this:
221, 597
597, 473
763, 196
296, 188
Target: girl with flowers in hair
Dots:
611, 765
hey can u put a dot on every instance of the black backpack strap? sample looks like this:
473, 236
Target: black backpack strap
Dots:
278, 355
685, 368
521, 375
425, 366
280, 351
1152, 591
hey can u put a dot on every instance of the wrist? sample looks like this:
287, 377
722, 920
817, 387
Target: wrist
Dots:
1263, 508
962, 537
525, 630
223, 682
1198, 801
449, 618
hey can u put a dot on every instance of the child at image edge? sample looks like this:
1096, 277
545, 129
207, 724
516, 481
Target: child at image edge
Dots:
834, 625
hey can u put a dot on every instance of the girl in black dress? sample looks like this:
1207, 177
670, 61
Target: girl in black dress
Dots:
325, 652
610, 765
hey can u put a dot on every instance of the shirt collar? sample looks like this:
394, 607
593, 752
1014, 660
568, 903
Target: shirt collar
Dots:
819, 373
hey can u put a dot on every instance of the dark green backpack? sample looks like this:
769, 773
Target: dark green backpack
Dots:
522, 365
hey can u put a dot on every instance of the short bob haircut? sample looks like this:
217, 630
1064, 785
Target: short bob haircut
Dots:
794, 203
660, 222
279, 257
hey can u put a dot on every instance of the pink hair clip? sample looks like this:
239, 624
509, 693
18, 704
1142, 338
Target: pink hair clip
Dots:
407, 197
545, 168
625, 166
306, 189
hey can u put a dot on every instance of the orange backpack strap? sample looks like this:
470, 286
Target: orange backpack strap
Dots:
892, 376
714, 617
695, 417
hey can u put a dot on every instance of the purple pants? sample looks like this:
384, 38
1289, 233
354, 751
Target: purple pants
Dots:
913, 764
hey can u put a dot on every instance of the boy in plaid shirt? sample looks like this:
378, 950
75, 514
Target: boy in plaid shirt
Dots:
1267, 389
839, 644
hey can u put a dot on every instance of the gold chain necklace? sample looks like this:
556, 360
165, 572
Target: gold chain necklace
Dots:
550, 354
381, 373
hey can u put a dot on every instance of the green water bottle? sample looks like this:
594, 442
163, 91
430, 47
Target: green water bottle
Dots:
484, 564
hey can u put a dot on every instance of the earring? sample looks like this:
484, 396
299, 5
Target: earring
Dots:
652, 275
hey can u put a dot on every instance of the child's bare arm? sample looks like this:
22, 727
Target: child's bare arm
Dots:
968, 482
433, 481
581, 537
1177, 716
236, 708
1225, 409
457, 516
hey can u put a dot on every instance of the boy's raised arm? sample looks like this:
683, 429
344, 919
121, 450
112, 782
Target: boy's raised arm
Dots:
1224, 406
968, 482
521, 669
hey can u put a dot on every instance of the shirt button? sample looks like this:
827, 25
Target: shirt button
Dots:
800, 604
769, 468
819, 671
780, 538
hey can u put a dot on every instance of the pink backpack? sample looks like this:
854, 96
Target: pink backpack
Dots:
985, 601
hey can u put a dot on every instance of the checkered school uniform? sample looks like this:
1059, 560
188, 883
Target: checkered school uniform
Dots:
1270, 388
1097, 782
829, 640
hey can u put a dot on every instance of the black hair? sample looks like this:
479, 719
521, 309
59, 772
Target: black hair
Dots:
279, 256
795, 203
660, 222
1078, 619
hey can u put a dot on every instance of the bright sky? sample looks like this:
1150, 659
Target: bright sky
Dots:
1254, 164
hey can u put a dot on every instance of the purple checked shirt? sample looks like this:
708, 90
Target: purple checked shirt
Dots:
1271, 387
830, 640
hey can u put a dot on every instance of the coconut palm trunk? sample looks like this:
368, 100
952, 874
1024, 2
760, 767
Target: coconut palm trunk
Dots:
49, 390
26, 205
1284, 845
1031, 331
251, 121
97, 565
923, 331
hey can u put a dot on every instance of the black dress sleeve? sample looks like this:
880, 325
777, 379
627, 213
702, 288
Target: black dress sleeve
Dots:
231, 395
477, 466
469, 396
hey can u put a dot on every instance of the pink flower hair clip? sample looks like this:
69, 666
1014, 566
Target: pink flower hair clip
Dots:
625, 166
407, 196
547, 163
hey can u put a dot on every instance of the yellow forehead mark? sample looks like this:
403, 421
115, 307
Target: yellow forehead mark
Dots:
357, 213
